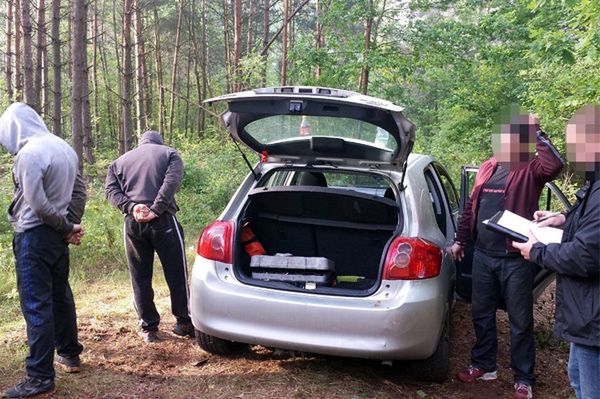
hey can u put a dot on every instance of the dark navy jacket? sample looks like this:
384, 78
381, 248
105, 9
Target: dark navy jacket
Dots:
576, 261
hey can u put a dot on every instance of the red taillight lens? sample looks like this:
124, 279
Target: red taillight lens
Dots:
215, 242
412, 258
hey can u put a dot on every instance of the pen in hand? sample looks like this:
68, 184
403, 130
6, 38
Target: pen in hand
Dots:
548, 216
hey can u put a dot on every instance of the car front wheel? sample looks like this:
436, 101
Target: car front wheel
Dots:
218, 346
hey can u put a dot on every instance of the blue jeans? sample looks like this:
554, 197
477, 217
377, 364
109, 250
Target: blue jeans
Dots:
584, 371
510, 278
42, 266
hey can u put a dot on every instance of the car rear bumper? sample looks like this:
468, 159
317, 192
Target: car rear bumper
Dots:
402, 320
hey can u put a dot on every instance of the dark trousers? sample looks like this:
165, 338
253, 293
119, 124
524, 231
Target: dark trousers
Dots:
511, 279
165, 236
42, 266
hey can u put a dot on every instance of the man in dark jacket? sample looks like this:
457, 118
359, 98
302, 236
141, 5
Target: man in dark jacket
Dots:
511, 180
576, 260
45, 213
142, 184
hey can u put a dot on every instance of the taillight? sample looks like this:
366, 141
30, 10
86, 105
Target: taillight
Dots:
412, 258
215, 242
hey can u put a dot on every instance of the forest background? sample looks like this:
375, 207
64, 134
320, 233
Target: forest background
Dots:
101, 72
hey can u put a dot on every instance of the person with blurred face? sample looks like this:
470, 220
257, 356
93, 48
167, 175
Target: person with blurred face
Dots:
576, 260
510, 180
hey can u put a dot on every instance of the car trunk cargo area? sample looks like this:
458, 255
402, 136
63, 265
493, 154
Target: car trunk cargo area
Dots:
347, 228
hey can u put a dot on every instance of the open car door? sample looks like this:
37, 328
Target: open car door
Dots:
551, 199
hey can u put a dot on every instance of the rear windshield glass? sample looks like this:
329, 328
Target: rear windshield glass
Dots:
284, 127
362, 183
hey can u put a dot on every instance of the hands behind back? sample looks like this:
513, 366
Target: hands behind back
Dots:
143, 214
76, 234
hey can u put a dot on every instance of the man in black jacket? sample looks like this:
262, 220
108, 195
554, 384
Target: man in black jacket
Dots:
142, 184
576, 260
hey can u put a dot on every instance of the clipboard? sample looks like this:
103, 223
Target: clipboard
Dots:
517, 228
494, 225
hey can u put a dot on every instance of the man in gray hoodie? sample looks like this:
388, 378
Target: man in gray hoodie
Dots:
142, 184
45, 213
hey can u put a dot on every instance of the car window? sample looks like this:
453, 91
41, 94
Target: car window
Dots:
552, 199
360, 182
448, 187
437, 201
272, 129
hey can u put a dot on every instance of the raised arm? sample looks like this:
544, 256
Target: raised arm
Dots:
548, 163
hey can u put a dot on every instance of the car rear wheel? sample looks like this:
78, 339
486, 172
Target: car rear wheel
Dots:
218, 346
436, 367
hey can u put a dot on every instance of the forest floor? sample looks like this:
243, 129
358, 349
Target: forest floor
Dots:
116, 364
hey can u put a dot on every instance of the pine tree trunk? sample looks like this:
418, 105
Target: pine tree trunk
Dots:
284, 42
95, 87
111, 114
237, 42
140, 70
57, 69
174, 70
41, 62
29, 90
227, 46
318, 36
79, 65
250, 41
204, 70
266, 26
159, 73
127, 77
86, 114
8, 81
18, 64
364, 73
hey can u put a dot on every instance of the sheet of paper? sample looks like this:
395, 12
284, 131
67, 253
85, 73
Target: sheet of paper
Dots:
545, 235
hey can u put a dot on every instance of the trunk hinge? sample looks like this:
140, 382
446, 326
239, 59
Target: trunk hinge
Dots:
404, 167
256, 175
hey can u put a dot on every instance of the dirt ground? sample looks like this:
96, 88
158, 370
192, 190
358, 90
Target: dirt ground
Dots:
116, 364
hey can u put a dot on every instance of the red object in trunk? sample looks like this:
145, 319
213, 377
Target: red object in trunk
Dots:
251, 244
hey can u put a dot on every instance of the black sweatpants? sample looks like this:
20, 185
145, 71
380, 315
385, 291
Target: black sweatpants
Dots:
165, 236
42, 266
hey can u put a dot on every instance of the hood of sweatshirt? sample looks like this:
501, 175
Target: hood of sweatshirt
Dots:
151, 137
18, 124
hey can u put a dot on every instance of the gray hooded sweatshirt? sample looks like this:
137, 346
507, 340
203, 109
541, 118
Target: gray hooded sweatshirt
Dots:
44, 173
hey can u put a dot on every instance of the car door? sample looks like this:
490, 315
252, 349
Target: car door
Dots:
551, 198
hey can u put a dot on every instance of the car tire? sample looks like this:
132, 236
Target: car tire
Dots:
436, 367
218, 346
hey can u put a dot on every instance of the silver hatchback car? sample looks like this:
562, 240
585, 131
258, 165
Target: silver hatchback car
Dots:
333, 244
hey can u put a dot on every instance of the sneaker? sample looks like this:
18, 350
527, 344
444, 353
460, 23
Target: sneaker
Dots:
70, 364
184, 330
149, 337
523, 391
30, 386
473, 374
